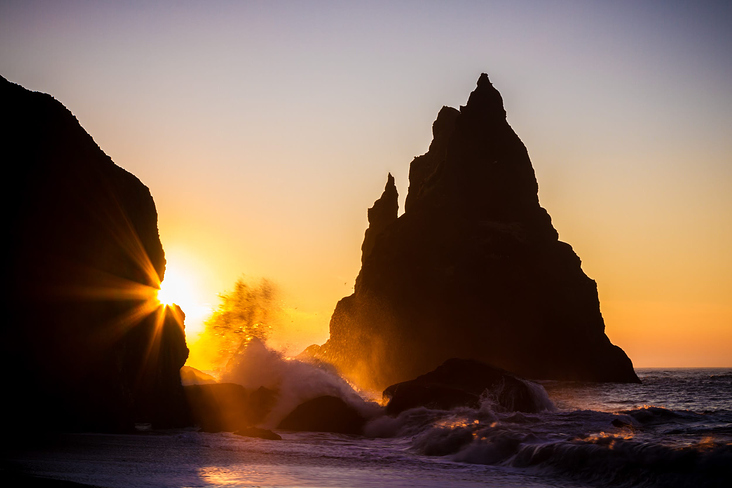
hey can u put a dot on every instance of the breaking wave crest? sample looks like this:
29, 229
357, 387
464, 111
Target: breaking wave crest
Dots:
493, 402
614, 460
502, 399
295, 381
649, 446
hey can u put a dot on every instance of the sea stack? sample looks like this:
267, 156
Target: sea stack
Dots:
473, 269
84, 344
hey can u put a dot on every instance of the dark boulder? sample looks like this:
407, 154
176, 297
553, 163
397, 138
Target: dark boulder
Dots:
324, 414
462, 382
407, 394
90, 346
228, 407
261, 402
472, 269
193, 376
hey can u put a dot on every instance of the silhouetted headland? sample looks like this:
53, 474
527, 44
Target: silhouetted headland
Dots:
85, 344
473, 269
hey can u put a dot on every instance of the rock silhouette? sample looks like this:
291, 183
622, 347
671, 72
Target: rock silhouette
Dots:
228, 407
462, 382
324, 414
473, 269
89, 346
381, 215
192, 376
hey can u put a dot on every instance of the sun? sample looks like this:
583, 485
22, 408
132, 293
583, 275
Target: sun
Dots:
174, 290
180, 289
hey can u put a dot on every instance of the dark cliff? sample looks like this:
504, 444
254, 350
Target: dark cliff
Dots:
473, 269
84, 340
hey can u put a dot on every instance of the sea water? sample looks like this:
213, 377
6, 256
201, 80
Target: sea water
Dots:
674, 429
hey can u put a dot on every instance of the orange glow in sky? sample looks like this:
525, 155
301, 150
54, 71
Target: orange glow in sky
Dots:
265, 130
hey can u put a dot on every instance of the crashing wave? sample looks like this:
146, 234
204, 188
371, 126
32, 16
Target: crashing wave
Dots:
295, 381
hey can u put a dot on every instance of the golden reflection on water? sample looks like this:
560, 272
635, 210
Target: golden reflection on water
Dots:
454, 423
709, 442
254, 475
219, 476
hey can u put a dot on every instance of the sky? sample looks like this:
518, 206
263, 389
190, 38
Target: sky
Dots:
265, 130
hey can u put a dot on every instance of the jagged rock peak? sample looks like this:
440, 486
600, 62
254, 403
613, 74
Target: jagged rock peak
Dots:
485, 100
473, 269
477, 167
383, 213
445, 122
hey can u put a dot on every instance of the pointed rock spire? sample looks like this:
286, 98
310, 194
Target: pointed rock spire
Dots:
473, 269
381, 215
485, 101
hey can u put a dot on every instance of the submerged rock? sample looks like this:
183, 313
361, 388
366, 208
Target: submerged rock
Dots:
89, 345
324, 414
472, 269
259, 433
462, 382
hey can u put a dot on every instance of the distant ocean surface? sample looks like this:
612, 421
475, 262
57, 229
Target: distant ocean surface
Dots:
673, 430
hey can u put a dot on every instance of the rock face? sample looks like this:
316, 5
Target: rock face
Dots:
89, 345
462, 382
472, 269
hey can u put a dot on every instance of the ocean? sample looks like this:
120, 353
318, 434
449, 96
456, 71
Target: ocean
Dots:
673, 430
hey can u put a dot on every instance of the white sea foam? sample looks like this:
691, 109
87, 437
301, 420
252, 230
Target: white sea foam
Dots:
296, 381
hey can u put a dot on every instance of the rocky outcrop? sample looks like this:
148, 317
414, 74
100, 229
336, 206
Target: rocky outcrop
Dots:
472, 269
464, 383
324, 414
228, 407
90, 346
192, 376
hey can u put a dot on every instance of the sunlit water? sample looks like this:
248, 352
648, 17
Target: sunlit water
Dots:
675, 429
